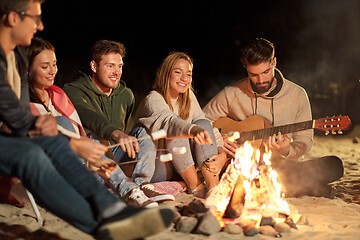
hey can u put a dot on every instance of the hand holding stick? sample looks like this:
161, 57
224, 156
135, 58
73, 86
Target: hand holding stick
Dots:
154, 135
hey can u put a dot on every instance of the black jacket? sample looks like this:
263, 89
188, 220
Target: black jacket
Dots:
15, 113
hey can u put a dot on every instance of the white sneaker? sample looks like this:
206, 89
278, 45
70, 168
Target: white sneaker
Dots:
137, 198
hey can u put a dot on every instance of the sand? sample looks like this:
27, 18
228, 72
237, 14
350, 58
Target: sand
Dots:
337, 218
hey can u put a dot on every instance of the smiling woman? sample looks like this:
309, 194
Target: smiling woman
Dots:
180, 79
173, 106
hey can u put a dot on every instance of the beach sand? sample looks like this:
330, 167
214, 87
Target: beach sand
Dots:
337, 218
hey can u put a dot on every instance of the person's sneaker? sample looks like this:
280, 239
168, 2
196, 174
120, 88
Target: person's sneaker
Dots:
137, 198
154, 194
135, 223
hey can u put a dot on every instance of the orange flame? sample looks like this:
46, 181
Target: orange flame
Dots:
263, 198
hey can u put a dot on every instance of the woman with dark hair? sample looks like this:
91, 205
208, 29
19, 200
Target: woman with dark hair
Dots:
46, 98
172, 106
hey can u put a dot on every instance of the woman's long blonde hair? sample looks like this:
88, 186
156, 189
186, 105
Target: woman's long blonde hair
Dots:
162, 83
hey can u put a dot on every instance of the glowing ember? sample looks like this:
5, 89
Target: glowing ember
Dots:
262, 191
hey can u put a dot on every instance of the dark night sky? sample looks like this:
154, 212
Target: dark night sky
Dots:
317, 42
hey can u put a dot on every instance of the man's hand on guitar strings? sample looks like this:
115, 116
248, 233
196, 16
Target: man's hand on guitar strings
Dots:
229, 146
279, 143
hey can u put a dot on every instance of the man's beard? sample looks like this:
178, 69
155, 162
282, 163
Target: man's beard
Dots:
263, 89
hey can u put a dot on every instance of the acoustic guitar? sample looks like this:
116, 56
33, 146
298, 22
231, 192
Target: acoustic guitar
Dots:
255, 128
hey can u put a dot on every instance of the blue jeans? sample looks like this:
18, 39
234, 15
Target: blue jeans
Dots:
143, 170
51, 171
195, 154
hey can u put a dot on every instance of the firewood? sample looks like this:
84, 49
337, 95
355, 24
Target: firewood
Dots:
236, 204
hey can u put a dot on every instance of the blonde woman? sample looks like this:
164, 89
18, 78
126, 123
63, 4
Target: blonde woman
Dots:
172, 105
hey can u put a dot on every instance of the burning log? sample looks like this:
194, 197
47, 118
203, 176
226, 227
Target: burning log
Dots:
234, 209
219, 198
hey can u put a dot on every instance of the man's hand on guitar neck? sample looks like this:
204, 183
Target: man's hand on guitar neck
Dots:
279, 143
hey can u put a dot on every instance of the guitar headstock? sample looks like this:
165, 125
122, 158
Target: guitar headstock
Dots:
333, 124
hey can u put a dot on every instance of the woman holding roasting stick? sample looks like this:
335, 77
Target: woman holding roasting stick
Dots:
172, 106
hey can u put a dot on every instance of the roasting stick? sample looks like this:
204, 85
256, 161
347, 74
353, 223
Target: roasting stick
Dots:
163, 158
154, 135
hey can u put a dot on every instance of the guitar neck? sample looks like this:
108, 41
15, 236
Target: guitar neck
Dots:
266, 132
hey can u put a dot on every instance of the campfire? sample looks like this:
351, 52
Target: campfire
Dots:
248, 193
247, 201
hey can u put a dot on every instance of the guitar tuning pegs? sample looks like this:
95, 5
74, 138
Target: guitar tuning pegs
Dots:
333, 132
327, 132
340, 132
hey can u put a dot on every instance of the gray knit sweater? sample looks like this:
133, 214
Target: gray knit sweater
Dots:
154, 113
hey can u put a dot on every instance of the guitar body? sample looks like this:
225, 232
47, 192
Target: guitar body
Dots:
255, 122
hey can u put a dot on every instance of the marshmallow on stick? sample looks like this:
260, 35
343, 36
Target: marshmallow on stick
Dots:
178, 150
158, 134
154, 135
166, 157
233, 136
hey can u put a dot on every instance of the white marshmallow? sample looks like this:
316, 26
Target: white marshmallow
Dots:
233, 136
166, 157
179, 150
158, 134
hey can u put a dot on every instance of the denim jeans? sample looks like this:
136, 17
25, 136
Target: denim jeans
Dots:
143, 170
195, 154
51, 171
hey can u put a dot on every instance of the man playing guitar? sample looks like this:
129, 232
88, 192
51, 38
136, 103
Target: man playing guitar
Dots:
278, 101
